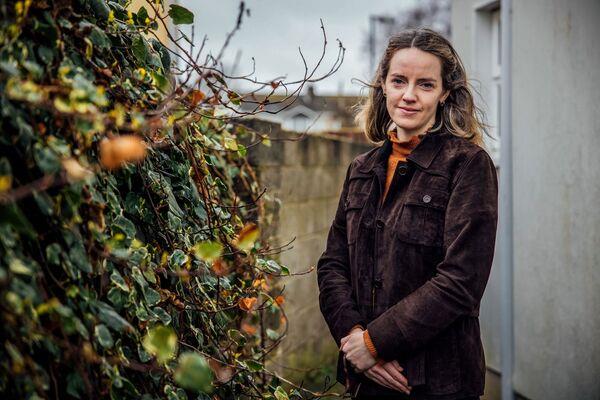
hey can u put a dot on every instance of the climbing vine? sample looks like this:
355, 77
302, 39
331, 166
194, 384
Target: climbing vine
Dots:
131, 260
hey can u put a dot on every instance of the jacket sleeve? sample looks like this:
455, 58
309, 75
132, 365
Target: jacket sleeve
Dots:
460, 279
336, 301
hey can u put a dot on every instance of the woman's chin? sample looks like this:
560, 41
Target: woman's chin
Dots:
406, 125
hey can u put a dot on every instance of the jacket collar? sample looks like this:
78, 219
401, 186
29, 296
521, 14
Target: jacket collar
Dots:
422, 155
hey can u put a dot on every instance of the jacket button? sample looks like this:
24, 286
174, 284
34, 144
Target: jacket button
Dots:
402, 169
378, 283
426, 198
379, 223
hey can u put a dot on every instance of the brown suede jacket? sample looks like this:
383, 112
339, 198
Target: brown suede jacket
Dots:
412, 269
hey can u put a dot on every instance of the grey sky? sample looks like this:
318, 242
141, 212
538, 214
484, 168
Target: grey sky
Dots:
276, 28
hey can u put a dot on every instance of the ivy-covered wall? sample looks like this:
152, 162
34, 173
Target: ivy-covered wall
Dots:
131, 264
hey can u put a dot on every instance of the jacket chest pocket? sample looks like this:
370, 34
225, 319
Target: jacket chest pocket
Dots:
422, 217
354, 205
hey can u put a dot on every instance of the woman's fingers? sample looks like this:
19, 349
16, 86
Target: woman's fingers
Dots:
343, 341
381, 371
376, 378
395, 372
396, 364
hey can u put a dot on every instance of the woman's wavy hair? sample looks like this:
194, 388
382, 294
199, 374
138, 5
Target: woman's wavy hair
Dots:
459, 115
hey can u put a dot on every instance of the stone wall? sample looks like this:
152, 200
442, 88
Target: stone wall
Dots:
306, 176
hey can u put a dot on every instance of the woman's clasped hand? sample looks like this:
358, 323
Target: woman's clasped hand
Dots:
385, 373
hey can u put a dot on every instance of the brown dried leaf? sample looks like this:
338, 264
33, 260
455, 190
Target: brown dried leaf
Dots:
223, 373
247, 303
117, 151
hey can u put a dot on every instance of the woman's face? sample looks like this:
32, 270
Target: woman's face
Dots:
413, 89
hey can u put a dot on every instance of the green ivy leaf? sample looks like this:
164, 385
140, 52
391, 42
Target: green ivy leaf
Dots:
78, 256
47, 160
178, 258
152, 296
280, 394
17, 266
125, 226
103, 336
254, 365
164, 316
100, 8
99, 39
271, 334
142, 14
161, 342
110, 317
139, 277
75, 385
143, 354
139, 47
180, 15
118, 280
273, 267
193, 373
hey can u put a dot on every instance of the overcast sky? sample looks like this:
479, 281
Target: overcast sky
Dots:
276, 28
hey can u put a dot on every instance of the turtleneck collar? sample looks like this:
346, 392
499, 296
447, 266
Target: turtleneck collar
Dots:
401, 149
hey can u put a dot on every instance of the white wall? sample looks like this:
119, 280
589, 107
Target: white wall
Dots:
470, 37
556, 139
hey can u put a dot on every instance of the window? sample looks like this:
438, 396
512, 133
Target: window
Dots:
488, 62
299, 122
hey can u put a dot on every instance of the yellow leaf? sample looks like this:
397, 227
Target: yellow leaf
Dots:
89, 48
161, 341
247, 236
230, 143
5, 182
208, 251
75, 172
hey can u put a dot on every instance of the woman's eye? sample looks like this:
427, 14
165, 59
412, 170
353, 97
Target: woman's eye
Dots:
398, 81
428, 85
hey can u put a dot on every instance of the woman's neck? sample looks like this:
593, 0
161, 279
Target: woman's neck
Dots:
405, 135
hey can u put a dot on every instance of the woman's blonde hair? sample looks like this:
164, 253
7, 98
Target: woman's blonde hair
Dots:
459, 115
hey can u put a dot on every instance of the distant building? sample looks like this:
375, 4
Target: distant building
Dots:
312, 113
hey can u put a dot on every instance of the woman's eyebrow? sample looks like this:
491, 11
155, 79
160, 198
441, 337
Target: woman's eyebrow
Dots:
418, 80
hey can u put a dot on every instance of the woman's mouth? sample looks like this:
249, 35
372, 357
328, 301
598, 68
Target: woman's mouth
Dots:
408, 111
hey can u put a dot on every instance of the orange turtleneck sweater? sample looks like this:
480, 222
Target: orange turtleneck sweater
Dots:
400, 150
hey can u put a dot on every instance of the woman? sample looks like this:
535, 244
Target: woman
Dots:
410, 249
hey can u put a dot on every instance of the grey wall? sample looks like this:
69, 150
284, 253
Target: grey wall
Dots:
556, 139
556, 109
306, 177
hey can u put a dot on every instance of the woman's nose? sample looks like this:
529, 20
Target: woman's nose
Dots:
409, 94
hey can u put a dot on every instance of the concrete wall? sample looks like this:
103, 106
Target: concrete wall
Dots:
556, 139
465, 24
306, 176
